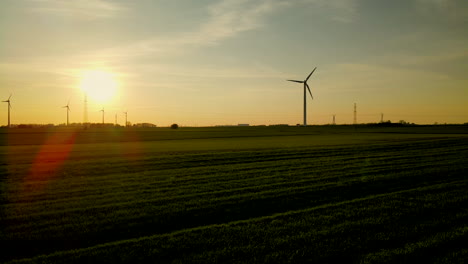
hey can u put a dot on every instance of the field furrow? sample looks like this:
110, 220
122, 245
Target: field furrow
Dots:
392, 198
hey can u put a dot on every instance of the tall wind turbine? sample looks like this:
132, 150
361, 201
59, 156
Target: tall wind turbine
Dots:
9, 108
126, 118
102, 115
68, 109
306, 87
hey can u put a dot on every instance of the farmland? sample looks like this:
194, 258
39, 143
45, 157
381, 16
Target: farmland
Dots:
252, 194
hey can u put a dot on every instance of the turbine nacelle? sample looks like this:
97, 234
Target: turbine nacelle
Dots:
8, 101
306, 85
67, 107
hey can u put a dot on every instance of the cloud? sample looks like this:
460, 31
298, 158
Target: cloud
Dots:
344, 11
226, 19
437, 3
448, 57
456, 10
232, 17
82, 9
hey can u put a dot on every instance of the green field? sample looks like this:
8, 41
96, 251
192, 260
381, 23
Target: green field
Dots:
322, 194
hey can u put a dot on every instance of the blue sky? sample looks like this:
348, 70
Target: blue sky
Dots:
226, 62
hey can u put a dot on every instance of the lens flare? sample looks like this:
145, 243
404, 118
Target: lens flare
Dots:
100, 86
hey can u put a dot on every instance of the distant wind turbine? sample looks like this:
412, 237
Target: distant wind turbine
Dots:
306, 87
68, 109
9, 108
102, 115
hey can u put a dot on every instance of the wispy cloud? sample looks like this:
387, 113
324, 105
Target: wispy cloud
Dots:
82, 9
448, 57
455, 10
344, 11
436, 3
232, 17
226, 19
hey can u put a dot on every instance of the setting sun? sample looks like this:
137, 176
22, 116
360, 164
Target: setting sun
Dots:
100, 86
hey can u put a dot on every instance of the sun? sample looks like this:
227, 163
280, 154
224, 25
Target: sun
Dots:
98, 85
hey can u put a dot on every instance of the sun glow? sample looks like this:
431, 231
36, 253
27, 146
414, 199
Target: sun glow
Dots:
98, 85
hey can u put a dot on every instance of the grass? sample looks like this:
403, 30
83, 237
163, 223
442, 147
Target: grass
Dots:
233, 195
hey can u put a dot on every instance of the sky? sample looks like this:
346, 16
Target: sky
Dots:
204, 62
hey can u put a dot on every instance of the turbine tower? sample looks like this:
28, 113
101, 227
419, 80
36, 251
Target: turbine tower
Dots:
68, 109
85, 109
381, 118
334, 120
9, 108
306, 87
102, 110
126, 123
355, 114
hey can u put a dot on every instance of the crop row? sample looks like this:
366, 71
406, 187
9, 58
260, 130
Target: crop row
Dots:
421, 224
85, 205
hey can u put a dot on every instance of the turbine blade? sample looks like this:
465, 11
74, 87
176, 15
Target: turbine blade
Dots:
9, 97
310, 74
308, 88
295, 81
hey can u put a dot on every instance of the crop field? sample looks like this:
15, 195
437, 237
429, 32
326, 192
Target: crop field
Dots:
320, 194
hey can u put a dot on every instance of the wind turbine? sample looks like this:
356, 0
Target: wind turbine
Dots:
102, 115
9, 107
68, 109
125, 118
306, 87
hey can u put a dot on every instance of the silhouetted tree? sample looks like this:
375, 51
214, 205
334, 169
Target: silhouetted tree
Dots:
174, 126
